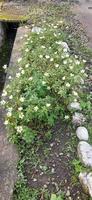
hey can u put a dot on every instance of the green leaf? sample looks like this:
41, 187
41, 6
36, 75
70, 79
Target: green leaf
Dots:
53, 197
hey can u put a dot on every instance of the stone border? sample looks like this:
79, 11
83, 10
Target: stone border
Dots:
84, 149
8, 152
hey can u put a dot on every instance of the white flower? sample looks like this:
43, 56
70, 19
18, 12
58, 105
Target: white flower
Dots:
21, 115
84, 61
51, 59
18, 75
55, 34
77, 62
54, 26
60, 22
20, 108
30, 78
7, 86
5, 67
19, 129
25, 35
63, 78
56, 65
82, 81
42, 37
21, 37
75, 93
76, 56
65, 62
82, 71
47, 56
9, 77
4, 94
3, 102
28, 39
67, 55
17, 90
31, 41
9, 114
19, 60
62, 56
71, 74
67, 84
43, 47
27, 65
26, 27
26, 43
66, 116
65, 50
6, 122
48, 88
55, 52
10, 97
48, 105
46, 74
43, 82
75, 100
10, 109
58, 42
22, 72
36, 108
22, 99
40, 56
71, 67
27, 50
20, 68
70, 60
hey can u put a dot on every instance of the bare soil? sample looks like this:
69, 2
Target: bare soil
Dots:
52, 168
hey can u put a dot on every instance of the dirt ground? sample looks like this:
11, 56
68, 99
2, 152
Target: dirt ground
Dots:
52, 168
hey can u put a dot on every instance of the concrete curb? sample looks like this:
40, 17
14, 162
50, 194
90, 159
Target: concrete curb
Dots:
8, 152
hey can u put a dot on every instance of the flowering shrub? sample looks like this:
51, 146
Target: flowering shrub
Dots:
47, 81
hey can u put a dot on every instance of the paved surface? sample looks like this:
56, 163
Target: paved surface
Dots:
84, 11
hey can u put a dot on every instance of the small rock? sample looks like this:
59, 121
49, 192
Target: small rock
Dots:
82, 133
36, 30
34, 179
85, 153
68, 193
86, 182
65, 45
78, 119
52, 170
74, 106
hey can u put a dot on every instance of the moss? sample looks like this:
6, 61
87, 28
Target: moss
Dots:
4, 16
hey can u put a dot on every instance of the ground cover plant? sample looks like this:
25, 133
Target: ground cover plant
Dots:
48, 79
